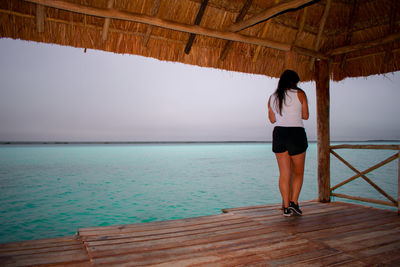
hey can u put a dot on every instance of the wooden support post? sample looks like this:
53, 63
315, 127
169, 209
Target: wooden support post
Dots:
398, 189
322, 90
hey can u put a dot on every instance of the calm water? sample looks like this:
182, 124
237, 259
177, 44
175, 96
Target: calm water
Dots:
52, 190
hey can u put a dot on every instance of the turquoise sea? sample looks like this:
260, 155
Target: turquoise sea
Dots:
52, 190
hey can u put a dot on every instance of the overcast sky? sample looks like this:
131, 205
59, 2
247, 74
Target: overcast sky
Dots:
55, 93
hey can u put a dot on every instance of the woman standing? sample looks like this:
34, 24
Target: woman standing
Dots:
287, 108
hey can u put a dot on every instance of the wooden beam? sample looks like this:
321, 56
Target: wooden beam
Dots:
364, 199
378, 147
196, 22
267, 14
377, 188
171, 25
321, 29
239, 18
351, 48
153, 12
322, 91
141, 18
40, 14
310, 53
106, 26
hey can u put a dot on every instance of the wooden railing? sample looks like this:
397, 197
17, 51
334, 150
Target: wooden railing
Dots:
391, 201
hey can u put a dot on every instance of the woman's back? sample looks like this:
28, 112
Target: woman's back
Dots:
291, 115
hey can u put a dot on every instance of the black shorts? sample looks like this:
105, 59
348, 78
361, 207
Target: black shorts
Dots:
291, 139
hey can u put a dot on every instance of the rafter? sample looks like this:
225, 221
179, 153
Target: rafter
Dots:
269, 13
348, 35
321, 29
196, 22
40, 14
239, 18
106, 26
154, 11
352, 48
392, 26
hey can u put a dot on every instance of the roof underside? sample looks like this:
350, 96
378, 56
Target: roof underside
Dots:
358, 37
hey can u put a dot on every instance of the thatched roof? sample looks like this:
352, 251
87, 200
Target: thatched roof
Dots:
359, 37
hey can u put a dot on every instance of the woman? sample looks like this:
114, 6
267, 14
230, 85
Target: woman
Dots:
287, 108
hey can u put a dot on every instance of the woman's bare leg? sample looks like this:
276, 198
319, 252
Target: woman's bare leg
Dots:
298, 175
284, 176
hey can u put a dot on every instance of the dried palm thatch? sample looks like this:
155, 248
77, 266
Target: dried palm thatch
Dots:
358, 37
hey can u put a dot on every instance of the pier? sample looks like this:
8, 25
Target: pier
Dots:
328, 234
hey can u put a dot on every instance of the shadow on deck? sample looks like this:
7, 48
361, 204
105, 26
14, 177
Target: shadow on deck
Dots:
331, 234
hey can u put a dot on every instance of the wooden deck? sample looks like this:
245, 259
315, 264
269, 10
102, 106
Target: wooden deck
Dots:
334, 234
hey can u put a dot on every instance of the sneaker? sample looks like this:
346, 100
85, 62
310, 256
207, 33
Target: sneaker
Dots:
295, 208
287, 212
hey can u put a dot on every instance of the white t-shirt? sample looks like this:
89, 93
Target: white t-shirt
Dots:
291, 110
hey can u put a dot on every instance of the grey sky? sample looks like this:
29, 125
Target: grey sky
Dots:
54, 93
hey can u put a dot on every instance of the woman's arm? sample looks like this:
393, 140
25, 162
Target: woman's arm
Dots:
271, 115
304, 104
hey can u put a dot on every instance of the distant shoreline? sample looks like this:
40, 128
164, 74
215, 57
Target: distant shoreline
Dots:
163, 142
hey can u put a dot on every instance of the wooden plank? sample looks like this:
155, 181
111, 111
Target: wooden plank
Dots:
166, 224
31, 251
267, 207
109, 240
267, 14
183, 241
329, 233
391, 226
163, 229
57, 257
333, 232
174, 253
338, 259
234, 258
302, 257
365, 240
380, 147
196, 22
39, 243
322, 91
386, 255
364, 199
302, 225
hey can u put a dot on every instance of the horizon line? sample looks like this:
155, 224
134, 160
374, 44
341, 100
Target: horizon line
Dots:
168, 142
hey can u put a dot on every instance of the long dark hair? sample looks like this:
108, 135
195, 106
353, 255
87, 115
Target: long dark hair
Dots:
288, 80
